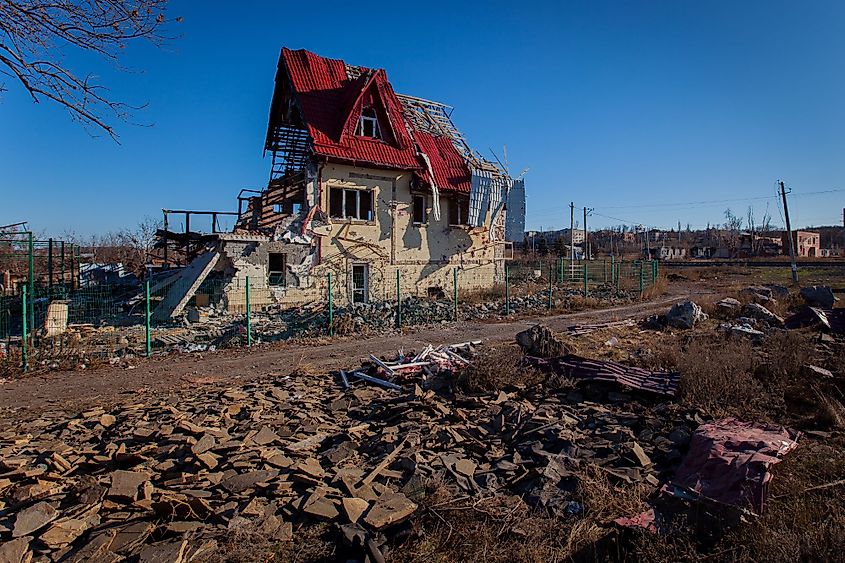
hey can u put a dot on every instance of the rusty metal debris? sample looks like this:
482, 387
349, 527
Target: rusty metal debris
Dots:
726, 468
585, 369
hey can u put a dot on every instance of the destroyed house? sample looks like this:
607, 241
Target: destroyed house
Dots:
364, 183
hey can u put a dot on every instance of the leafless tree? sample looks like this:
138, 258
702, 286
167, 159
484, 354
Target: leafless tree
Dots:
34, 34
750, 221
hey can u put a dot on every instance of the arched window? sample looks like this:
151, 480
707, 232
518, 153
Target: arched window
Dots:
368, 125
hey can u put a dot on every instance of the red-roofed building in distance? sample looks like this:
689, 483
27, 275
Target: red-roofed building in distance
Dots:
364, 183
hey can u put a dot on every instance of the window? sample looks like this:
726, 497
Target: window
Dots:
457, 212
351, 204
276, 269
277, 208
368, 125
360, 283
419, 209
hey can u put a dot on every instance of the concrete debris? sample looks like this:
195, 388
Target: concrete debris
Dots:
832, 320
685, 315
760, 313
758, 293
729, 304
539, 341
743, 330
168, 480
819, 296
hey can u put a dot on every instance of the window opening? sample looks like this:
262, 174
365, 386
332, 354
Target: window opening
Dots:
419, 209
368, 124
351, 204
277, 266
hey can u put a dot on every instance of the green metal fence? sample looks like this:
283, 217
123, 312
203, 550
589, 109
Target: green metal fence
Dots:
42, 322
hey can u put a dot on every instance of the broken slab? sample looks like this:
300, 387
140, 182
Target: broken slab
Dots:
354, 508
388, 510
16, 550
33, 518
188, 282
125, 484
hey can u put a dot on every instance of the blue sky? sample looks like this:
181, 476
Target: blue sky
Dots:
635, 109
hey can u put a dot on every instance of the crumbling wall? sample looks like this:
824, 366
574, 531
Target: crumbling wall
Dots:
424, 254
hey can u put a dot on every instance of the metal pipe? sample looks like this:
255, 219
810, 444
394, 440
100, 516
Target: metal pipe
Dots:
24, 330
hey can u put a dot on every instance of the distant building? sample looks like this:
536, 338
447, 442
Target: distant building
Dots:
807, 244
670, 253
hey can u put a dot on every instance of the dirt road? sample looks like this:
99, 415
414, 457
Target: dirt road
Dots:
78, 390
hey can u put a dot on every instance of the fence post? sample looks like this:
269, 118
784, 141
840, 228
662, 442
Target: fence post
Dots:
560, 270
604, 270
551, 274
50, 268
641, 279
147, 317
24, 329
507, 292
653, 271
455, 292
586, 278
612, 269
248, 315
31, 282
398, 302
64, 292
331, 307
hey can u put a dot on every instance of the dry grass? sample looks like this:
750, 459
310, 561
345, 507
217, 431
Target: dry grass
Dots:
497, 368
506, 529
658, 288
717, 376
801, 523
245, 544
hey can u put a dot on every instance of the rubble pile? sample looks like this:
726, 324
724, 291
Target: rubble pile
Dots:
381, 316
170, 480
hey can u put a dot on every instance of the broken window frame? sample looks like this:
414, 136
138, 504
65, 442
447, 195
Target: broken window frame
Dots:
369, 119
422, 217
364, 290
276, 278
458, 209
364, 204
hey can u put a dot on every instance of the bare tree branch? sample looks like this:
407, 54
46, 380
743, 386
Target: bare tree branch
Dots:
33, 34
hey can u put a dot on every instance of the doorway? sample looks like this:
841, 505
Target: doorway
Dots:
360, 283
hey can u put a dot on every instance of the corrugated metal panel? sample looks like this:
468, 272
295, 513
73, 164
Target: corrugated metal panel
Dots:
479, 197
575, 367
498, 194
449, 167
515, 219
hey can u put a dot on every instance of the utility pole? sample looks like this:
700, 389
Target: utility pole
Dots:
571, 231
584, 244
789, 233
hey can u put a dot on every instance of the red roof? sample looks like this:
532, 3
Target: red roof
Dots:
449, 167
331, 104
